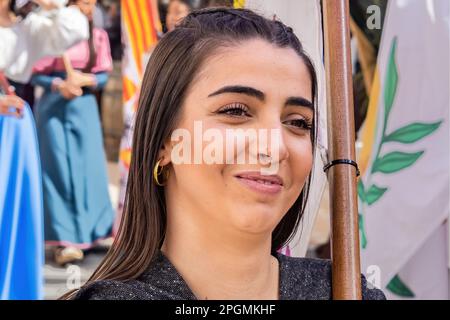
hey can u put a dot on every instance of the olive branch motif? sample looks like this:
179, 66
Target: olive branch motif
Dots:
394, 161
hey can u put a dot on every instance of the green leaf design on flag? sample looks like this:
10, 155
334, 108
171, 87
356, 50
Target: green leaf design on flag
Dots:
374, 194
398, 287
413, 132
390, 88
395, 161
362, 196
362, 230
361, 191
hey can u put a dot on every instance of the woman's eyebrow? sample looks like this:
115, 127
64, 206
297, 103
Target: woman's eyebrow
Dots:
299, 101
241, 90
291, 101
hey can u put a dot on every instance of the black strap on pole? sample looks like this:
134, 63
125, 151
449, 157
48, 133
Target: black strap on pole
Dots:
342, 161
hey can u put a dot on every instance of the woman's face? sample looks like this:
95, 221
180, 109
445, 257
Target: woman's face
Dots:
176, 11
250, 90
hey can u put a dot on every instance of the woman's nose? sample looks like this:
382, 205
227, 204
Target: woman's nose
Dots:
272, 141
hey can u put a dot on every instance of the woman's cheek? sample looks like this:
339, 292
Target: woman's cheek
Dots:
301, 160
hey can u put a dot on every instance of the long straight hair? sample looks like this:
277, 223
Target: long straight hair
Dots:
172, 67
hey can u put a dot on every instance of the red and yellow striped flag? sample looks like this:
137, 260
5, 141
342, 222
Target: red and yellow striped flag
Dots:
140, 26
140, 23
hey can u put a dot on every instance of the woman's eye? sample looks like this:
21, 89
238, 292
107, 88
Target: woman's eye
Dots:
235, 110
300, 123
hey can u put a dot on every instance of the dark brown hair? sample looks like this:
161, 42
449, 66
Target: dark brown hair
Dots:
172, 68
92, 53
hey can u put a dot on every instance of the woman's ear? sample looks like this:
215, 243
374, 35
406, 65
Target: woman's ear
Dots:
165, 154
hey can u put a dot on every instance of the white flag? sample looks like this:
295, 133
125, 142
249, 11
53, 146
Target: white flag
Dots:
404, 188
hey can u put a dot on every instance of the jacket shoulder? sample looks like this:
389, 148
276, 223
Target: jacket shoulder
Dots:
135, 289
108, 290
311, 279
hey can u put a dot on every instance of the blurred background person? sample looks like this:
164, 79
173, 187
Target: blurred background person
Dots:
176, 11
29, 33
77, 207
25, 39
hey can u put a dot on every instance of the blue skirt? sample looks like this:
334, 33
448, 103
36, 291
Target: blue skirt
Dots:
77, 207
21, 219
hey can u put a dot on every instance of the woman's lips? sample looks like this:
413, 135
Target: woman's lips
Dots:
267, 184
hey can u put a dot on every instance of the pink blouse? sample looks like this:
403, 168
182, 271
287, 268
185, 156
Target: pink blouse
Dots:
79, 56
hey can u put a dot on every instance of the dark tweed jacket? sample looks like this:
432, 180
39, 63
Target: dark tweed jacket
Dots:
300, 279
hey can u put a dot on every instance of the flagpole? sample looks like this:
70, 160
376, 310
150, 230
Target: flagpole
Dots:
346, 274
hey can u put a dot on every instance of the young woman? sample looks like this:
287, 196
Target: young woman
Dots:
202, 229
77, 207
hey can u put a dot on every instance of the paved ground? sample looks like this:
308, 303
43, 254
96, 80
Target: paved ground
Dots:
58, 280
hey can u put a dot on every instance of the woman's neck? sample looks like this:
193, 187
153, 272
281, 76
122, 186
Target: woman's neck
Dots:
217, 264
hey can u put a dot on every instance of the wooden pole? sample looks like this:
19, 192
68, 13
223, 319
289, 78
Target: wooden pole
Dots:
346, 274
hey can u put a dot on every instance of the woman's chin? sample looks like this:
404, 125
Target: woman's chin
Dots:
258, 219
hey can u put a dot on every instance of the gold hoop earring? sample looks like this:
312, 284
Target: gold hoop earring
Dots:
157, 173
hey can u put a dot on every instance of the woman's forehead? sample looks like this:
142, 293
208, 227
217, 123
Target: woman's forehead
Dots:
256, 63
